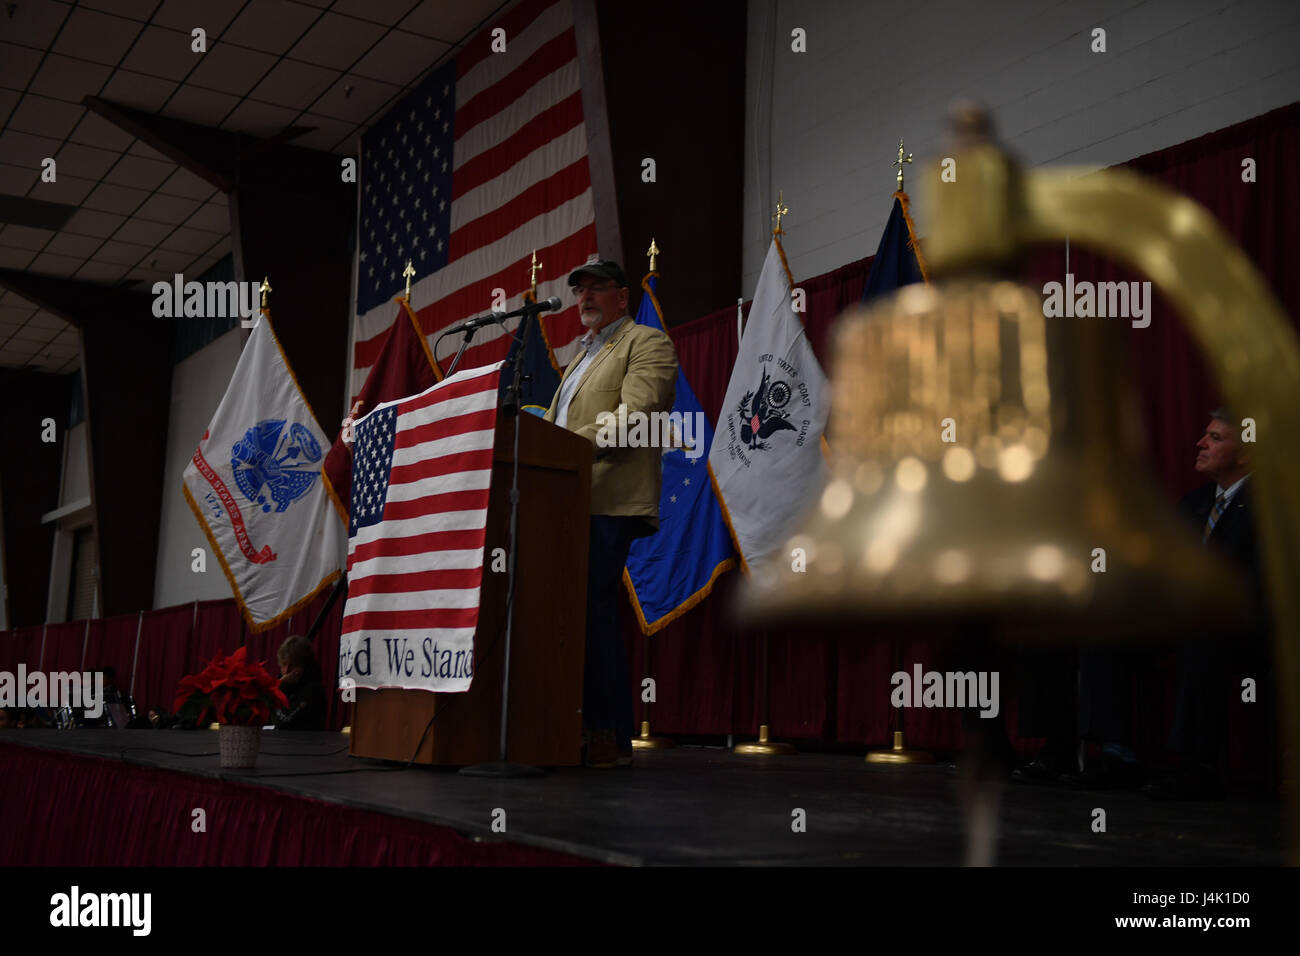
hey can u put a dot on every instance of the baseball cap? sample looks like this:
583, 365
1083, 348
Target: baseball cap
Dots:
607, 269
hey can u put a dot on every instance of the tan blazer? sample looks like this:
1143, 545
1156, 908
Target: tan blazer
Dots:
637, 368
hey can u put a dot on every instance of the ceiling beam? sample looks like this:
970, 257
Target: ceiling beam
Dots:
75, 300
182, 142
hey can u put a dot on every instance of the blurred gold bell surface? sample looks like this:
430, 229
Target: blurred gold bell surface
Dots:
986, 466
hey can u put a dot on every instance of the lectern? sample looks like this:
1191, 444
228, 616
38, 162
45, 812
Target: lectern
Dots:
545, 719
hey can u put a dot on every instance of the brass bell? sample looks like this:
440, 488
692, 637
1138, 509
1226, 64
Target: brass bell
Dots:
986, 462
985, 466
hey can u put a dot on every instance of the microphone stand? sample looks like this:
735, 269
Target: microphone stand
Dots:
511, 406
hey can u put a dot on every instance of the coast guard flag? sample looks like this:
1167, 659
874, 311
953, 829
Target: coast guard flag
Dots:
421, 474
255, 486
767, 455
482, 163
668, 573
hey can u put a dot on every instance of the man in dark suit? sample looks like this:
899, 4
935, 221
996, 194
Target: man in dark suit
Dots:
1220, 510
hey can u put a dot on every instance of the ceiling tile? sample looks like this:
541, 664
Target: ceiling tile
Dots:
211, 217
12, 300
70, 190
94, 130
330, 134
101, 271
109, 197
450, 22
400, 58
122, 253
138, 148
11, 315
193, 241
49, 263
260, 119
231, 69
142, 92
220, 249
71, 244
31, 337
86, 162
26, 150
18, 179
64, 78
272, 25
142, 231
366, 98
91, 222
167, 262
336, 41
169, 209
200, 106
185, 183
45, 117
35, 24
134, 9
316, 3
26, 237
96, 36
48, 321
67, 336
162, 52
17, 64
8, 99
294, 84
71, 365
139, 172
380, 11
212, 15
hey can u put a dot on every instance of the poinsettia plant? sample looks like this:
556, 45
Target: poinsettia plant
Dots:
232, 690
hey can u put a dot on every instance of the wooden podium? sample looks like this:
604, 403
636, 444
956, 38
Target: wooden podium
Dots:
549, 634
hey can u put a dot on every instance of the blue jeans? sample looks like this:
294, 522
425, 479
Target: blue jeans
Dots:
606, 693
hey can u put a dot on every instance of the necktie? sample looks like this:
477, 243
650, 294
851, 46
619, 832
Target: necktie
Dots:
1215, 514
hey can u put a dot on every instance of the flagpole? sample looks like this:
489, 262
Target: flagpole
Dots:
647, 740
765, 745
502, 767
899, 752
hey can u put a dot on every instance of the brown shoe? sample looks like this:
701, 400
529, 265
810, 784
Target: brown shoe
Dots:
602, 750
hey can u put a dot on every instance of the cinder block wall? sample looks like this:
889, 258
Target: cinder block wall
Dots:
824, 125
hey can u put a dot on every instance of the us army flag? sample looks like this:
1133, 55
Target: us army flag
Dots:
255, 486
767, 453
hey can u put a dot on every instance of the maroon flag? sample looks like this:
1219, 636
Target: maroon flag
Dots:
404, 367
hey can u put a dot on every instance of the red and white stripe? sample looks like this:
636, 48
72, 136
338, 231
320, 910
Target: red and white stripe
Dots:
416, 573
521, 182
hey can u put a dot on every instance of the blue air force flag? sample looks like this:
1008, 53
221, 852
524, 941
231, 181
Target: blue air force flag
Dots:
668, 573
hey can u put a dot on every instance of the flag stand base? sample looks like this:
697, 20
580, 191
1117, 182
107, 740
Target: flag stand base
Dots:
648, 742
898, 754
764, 746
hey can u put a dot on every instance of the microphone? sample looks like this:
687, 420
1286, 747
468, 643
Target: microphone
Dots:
475, 323
546, 305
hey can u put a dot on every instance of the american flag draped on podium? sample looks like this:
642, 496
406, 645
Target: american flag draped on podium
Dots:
421, 476
483, 162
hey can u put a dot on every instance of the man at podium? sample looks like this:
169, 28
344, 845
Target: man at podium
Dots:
622, 369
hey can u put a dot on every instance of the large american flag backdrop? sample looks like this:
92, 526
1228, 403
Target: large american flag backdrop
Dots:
421, 477
485, 161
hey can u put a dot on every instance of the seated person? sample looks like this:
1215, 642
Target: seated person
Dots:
302, 683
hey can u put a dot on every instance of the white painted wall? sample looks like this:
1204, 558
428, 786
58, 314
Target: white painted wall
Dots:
198, 384
824, 125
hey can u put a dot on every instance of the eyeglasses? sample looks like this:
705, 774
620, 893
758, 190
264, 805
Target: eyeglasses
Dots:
578, 290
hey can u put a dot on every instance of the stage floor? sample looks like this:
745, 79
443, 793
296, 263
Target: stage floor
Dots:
695, 805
